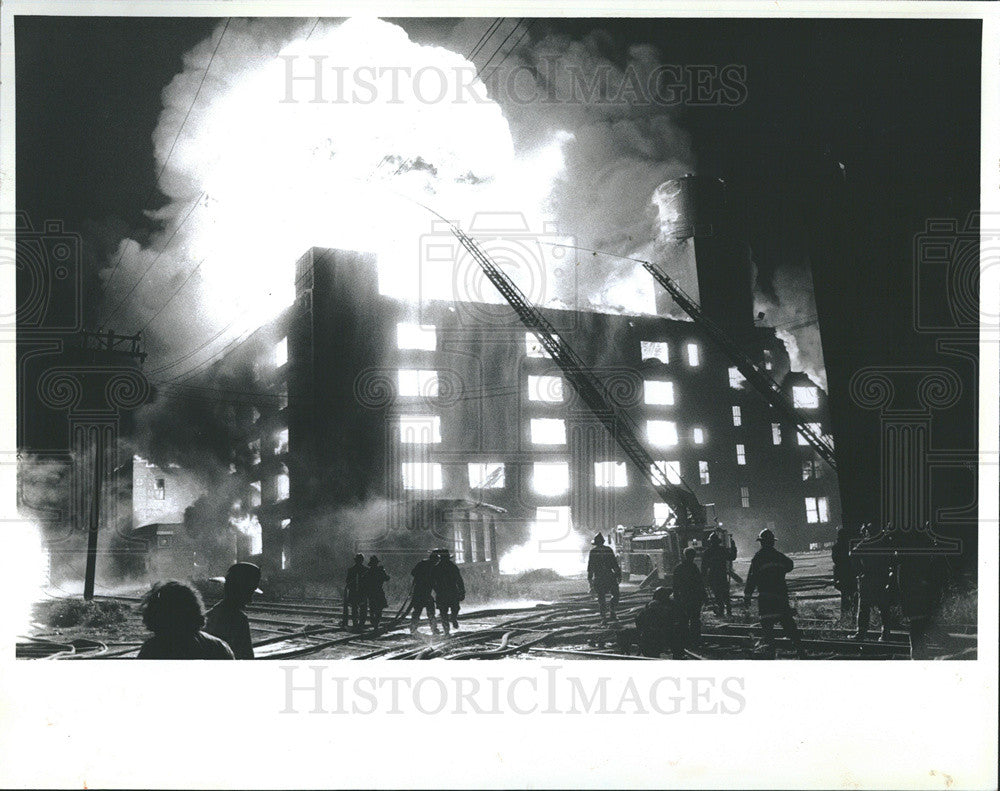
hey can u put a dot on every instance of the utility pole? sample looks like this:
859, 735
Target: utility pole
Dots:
95, 525
96, 381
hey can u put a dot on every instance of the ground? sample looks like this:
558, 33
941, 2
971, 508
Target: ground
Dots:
538, 615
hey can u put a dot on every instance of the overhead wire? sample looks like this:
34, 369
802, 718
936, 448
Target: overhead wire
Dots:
170, 152
514, 46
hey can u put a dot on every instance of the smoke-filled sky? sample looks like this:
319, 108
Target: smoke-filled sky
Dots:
268, 160
172, 146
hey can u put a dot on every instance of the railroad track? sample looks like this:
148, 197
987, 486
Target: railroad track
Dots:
569, 627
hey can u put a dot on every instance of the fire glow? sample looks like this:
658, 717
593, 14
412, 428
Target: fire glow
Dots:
553, 543
23, 583
255, 180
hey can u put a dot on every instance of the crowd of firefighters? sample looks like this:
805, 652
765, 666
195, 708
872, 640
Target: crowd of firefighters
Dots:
671, 621
893, 571
885, 570
437, 584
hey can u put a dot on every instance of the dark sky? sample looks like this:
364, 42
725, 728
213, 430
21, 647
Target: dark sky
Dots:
897, 101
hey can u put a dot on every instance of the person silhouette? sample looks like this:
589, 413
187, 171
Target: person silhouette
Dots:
371, 586
173, 612
226, 620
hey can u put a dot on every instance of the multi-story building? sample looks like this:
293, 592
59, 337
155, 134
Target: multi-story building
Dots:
372, 420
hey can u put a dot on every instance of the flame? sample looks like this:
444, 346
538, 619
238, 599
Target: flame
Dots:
552, 544
249, 525
256, 180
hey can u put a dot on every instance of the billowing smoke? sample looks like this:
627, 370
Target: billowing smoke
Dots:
791, 309
261, 160
617, 147
255, 171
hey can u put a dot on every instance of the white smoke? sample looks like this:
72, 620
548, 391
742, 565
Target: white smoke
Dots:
252, 181
792, 312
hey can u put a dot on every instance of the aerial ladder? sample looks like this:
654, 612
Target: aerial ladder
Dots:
753, 373
593, 392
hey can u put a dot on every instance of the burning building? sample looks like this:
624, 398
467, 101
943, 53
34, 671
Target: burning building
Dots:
374, 423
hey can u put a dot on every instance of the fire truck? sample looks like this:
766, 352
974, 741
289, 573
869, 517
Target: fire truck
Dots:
644, 549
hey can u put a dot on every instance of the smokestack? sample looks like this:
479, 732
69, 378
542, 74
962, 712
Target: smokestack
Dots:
700, 209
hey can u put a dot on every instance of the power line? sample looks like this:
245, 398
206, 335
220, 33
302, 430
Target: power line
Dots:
193, 370
513, 30
171, 298
491, 29
172, 146
516, 44
155, 259
482, 39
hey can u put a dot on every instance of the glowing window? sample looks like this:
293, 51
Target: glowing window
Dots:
422, 476
548, 431
703, 474
776, 433
671, 470
281, 352
487, 475
285, 523
817, 510
458, 533
812, 469
610, 474
488, 541
694, 356
741, 454
662, 432
550, 477
419, 429
475, 542
255, 494
737, 416
281, 397
252, 530
254, 448
805, 397
655, 350
160, 489
545, 388
699, 436
816, 429
533, 347
281, 487
662, 514
281, 441
768, 363
658, 393
416, 336
736, 379
744, 496
417, 382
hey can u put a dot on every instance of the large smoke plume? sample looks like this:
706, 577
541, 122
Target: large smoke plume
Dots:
255, 172
252, 179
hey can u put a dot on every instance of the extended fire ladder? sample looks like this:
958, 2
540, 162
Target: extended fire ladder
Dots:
590, 389
751, 371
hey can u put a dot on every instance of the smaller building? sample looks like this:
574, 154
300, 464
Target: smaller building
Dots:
466, 528
161, 495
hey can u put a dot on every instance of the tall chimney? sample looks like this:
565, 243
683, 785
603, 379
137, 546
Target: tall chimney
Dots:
700, 209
